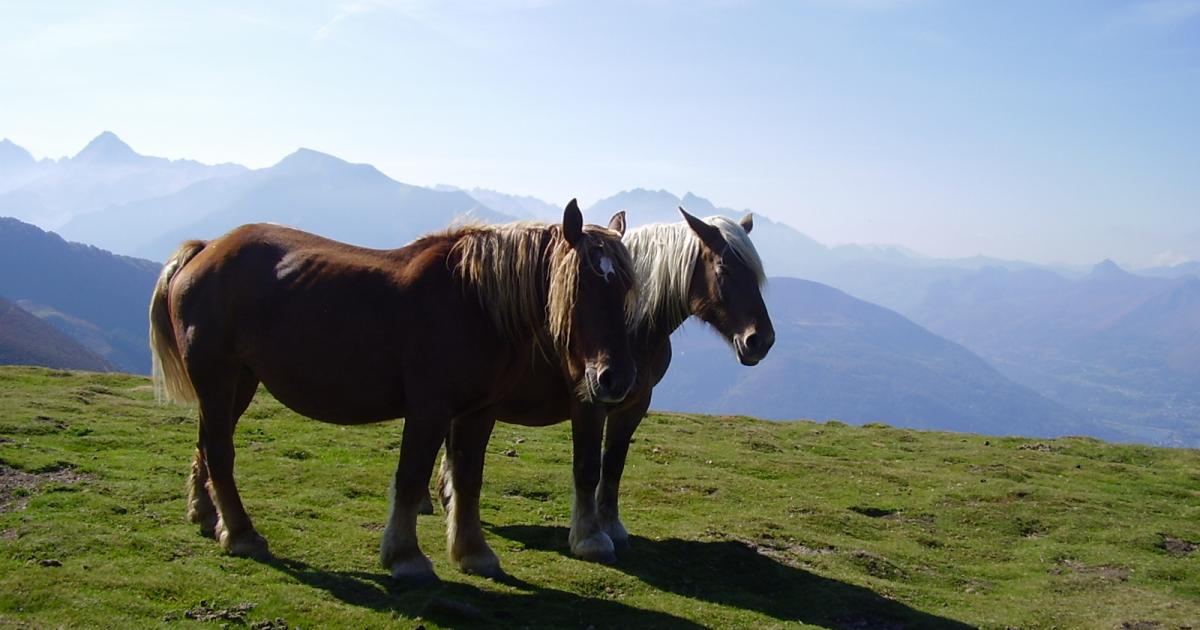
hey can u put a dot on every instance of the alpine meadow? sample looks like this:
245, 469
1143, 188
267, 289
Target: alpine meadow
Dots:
434, 314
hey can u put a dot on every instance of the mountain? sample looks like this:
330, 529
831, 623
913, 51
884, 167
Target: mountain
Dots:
519, 206
839, 357
1122, 348
1190, 268
27, 340
309, 190
784, 250
96, 297
107, 171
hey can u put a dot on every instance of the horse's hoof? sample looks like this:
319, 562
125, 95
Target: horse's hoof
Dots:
413, 573
597, 548
620, 537
207, 523
484, 564
249, 545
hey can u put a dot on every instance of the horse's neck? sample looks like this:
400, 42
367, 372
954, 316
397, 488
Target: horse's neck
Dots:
660, 332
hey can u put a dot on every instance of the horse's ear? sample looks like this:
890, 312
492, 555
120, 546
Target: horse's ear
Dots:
708, 234
747, 222
572, 223
617, 223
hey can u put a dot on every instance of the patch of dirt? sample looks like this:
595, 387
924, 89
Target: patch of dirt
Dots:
1177, 546
16, 486
1140, 625
784, 551
1104, 572
206, 612
1040, 447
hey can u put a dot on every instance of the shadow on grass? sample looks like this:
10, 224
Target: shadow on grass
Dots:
731, 573
457, 605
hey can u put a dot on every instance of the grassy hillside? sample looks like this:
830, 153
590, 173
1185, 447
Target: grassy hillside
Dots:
27, 340
736, 523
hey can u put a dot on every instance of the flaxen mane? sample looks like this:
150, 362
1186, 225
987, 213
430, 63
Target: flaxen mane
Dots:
507, 265
664, 257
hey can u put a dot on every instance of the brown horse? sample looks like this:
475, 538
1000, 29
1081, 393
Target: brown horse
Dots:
432, 332
707, 268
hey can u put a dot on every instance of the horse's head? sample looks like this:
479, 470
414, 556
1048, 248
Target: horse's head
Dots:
589, 298
725, 286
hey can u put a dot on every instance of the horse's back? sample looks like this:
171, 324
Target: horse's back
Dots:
324, 325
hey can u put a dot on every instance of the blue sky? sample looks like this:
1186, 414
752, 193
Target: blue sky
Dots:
1052, 130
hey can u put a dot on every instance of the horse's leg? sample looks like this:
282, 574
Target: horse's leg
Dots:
218, 395
621, 425
588, 539
201, 509
399, 552
426, 506
464, 533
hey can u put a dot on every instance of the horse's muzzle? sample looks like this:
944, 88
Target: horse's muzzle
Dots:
609, 384
752, 345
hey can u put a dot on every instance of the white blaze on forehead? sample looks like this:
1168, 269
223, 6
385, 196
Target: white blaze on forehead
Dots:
606, 267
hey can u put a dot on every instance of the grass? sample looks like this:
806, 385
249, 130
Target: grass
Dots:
736, 523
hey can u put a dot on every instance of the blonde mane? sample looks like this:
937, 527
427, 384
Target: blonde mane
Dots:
664, 258
508, 266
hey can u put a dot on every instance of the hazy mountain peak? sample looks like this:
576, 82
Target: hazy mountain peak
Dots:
305, 159
697, 204
12, 154
106, 147
1108, 269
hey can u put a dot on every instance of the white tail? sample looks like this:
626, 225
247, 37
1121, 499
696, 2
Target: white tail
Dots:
171, 382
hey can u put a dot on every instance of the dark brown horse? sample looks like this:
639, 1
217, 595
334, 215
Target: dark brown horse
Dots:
707, 268
432, 332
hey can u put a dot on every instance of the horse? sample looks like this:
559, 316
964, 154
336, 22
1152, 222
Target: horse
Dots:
706, 268
431, 332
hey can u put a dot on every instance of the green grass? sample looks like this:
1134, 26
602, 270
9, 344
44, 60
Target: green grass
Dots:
736, 523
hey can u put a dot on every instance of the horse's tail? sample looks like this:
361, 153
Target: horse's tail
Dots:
171, 381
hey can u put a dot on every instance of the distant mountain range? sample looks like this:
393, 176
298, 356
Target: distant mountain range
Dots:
107, 171
27, 340
309, 190
1120, 347
97, 298
838, 357
1056, 350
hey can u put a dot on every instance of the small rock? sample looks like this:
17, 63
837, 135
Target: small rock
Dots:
50, 562
510, 453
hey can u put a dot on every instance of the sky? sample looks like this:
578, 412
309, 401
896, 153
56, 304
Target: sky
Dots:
1056, 131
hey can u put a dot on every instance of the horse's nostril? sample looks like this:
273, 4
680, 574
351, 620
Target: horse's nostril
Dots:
605, 380
751, 341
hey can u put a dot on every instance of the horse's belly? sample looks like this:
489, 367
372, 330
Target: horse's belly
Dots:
344, 392
339, 405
